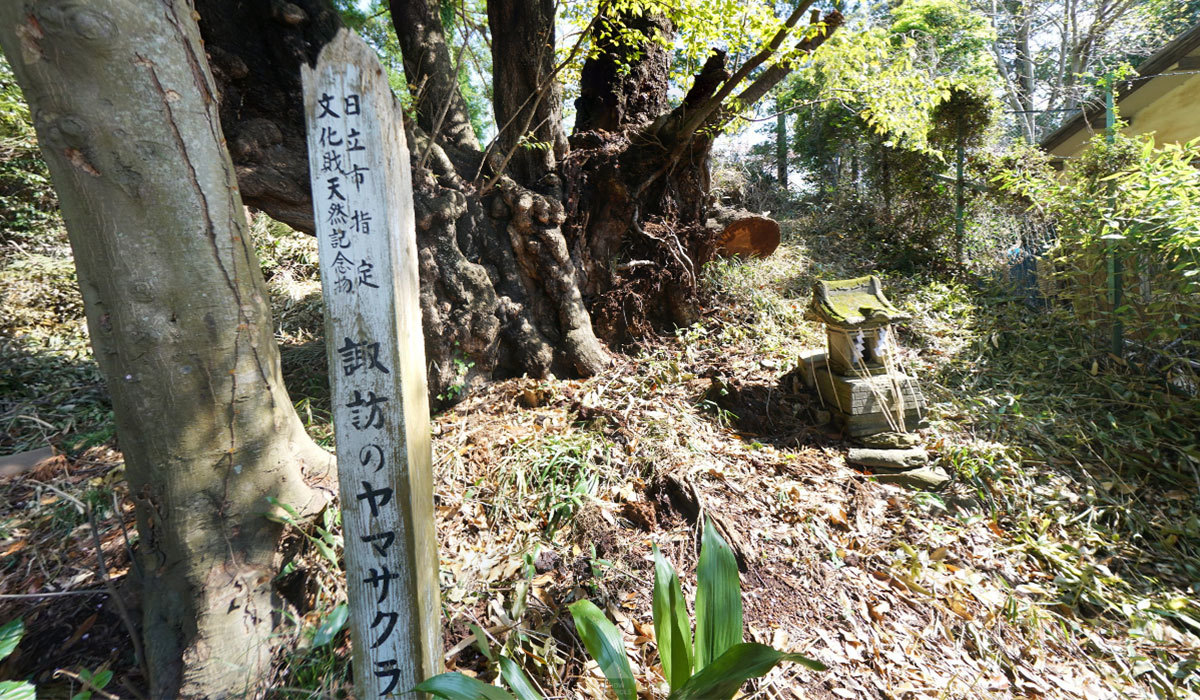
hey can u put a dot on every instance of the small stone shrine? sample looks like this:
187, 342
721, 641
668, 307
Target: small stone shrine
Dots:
857, 377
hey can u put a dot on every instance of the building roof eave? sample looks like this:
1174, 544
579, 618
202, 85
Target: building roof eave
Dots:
1156, 64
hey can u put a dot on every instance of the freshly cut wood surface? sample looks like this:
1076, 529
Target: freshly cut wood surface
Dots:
749, 237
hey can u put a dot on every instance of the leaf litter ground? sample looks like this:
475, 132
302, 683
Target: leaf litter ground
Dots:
1060, 563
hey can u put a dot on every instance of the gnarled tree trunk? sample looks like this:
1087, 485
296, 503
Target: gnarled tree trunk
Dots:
537, 246
255, 51
126, 117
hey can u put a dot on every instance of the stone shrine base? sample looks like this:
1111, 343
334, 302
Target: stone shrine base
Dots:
861, 405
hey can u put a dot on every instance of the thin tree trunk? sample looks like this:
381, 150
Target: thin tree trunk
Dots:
1023, 66
781, 145
441, 110
126, 116
1024, 59
1011, 83
524, 91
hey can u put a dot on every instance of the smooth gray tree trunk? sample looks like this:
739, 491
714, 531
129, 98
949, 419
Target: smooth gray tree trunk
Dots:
126, 116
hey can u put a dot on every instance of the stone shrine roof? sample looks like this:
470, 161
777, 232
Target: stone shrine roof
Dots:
852, 304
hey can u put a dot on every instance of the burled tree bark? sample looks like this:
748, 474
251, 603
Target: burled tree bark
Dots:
534, 248
490, 309
255, 54
624, 85
126, 116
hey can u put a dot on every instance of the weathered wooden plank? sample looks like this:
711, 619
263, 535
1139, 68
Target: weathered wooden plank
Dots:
362, 195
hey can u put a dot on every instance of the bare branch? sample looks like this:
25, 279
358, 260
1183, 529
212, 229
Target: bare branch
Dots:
771, 77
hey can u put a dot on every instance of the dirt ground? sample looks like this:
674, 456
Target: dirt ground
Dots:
552, 491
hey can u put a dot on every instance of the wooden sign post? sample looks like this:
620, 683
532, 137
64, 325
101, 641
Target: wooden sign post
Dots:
362, 196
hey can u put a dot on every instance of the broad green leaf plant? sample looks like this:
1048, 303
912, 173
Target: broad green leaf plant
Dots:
10, 636
711, 666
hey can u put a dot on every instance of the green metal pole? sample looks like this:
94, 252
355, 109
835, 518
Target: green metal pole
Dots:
959, 206
1115, 271
1116, 295
1110, 114
781, 144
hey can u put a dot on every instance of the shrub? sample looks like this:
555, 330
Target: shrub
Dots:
28, 205
1147, 196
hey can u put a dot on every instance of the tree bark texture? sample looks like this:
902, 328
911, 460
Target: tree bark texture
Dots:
441, 109
625, 84
255, 54
498, 286
526, 97
126, 116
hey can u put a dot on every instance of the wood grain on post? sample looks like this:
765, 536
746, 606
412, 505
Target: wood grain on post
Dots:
362, 197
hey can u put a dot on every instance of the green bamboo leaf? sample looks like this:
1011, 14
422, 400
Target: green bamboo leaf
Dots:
456, 686
723, 677
516, 680
603, 642
481, 642
718, 599
325, 550
17, 690
331, 625
289, 516
101, 679
10, 636
671, 626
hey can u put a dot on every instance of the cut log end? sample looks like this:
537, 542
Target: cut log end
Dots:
749, 237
